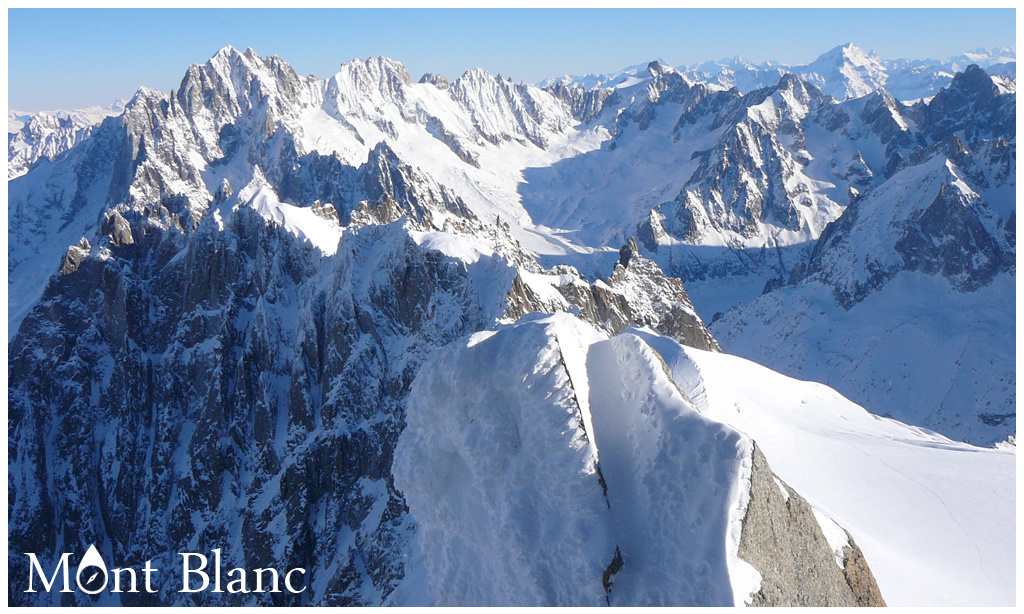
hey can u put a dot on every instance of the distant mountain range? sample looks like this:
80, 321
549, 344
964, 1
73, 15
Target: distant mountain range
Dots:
844, 72
31, 136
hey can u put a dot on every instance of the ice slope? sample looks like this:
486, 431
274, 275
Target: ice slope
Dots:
537, 455
934, 518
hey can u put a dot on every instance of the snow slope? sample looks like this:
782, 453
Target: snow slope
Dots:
936, 519
536, 451
917, 350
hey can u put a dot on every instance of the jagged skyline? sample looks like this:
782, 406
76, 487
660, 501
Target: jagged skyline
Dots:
98, 56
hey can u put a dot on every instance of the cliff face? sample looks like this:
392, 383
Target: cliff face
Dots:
233, 388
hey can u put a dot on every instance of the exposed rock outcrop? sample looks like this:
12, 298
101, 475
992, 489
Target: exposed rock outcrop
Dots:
784, 542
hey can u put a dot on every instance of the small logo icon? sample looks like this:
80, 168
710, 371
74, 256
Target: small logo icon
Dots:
92, 572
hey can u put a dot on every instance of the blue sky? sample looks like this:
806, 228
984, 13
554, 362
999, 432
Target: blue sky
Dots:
63, 58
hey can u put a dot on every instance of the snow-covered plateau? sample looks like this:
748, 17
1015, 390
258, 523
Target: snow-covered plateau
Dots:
478, 342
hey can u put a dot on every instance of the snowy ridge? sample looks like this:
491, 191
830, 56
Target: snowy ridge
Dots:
674, 503
524, 523
533, 459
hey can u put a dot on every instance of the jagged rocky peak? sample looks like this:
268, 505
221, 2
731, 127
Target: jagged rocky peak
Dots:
394, 188
654, 299
502, 110
627, 251
973, 78
799, 88
74, 257
668, 84
657, 68
972, 103
46, 135
438, 81
231, 83
636, 293
586, 104
378, 76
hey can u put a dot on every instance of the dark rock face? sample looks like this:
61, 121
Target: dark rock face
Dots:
73, 259
949, 239
258, 413
782, 540
971, 103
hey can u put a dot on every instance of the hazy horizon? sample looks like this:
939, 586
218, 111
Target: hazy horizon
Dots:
96, 56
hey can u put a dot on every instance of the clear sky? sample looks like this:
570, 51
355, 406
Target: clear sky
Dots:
63, 58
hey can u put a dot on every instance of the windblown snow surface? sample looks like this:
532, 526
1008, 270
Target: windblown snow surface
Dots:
575, 451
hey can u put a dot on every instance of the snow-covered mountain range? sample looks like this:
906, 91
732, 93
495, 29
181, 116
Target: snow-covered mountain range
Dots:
31, 136
296, 319
847, 71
